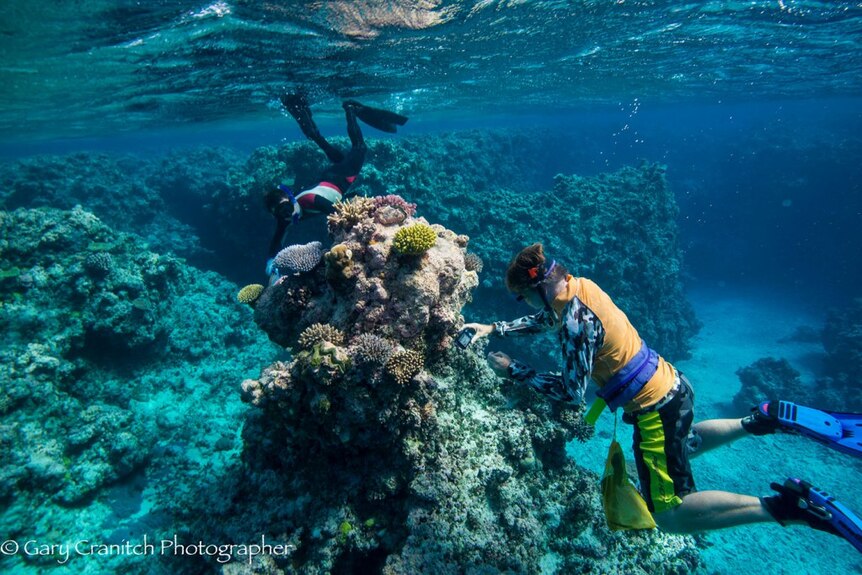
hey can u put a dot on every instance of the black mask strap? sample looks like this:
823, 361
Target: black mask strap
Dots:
540, 288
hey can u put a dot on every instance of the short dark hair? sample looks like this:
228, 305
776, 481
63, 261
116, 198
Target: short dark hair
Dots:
518, 277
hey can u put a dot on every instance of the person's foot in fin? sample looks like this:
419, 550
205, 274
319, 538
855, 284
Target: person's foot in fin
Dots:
762, 421
799, 502
383, 120
840, 431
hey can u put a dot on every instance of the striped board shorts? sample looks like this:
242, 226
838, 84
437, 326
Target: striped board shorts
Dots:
661, 446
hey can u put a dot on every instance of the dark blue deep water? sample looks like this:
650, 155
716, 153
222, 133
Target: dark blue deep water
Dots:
754, 108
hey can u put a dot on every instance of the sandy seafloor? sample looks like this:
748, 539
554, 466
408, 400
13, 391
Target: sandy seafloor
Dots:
741, 326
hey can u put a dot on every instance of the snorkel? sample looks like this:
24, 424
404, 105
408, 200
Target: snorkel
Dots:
540, 275
287, 191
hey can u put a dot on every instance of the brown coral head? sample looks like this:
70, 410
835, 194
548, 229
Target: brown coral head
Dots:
340, 255
405, 365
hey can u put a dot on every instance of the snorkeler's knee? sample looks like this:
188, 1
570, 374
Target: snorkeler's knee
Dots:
672, 520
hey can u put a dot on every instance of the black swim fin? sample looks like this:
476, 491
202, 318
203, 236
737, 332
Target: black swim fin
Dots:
798, 500
383, 120
297, 106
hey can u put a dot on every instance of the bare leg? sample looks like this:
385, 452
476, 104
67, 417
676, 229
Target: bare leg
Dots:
717, 432
706, 510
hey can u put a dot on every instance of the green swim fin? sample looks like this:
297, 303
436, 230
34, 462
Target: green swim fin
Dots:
383, 120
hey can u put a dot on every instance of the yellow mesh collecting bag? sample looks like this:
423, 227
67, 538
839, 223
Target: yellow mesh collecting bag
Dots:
624, 507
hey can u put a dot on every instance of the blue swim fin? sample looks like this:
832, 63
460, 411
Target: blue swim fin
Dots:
799, 500
840, 431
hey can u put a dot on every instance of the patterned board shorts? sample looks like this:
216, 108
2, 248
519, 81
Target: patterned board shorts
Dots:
663, 440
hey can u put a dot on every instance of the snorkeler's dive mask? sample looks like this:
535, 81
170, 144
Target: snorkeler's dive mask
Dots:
540, 275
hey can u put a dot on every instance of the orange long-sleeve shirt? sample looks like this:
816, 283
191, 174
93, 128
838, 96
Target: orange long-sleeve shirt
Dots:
596, 339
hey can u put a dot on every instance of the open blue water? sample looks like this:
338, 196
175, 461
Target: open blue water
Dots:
755, 108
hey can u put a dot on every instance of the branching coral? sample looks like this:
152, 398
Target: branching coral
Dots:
405, 365
249, 294
349, 213
371, 349
319, 333
299, 259
472, 262
414, 239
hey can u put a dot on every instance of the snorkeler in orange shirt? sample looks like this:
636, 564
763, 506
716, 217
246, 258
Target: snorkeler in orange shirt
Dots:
599, 344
